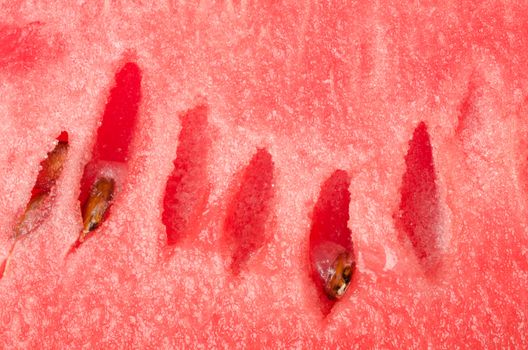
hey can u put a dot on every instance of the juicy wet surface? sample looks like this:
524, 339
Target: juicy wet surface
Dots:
320, 87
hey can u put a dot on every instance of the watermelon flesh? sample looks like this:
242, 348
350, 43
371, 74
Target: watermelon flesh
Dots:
420, 110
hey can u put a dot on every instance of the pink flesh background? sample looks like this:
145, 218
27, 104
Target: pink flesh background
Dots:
320, 87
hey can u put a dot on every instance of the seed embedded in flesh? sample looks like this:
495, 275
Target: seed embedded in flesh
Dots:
35, 212
339, 277
335, 266
38, 208
31, 217
51, 168
96, 205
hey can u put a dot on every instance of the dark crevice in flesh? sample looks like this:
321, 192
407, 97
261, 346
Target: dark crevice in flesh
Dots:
187, 189
467, 106
329, 234
249, 209
419, 207
105, 173
39, 207
120, 116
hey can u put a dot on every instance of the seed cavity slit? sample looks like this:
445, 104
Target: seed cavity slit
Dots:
418, 215
39, 206
187, 187
332, 257
248, 211
466, 109
105, 174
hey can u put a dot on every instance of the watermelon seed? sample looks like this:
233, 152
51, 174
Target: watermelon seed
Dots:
31, 217
96, 205
39, 206
335, 266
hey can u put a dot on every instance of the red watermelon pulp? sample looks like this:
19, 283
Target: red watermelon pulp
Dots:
239, 136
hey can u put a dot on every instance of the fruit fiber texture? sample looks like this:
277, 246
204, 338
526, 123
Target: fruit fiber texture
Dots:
245, 112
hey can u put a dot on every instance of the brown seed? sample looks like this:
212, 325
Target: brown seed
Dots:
340, 276
335, 266
96, 205
51, 168
33, 216
38, 208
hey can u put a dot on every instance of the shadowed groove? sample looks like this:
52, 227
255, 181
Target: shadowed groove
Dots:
249, 210
185, 192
